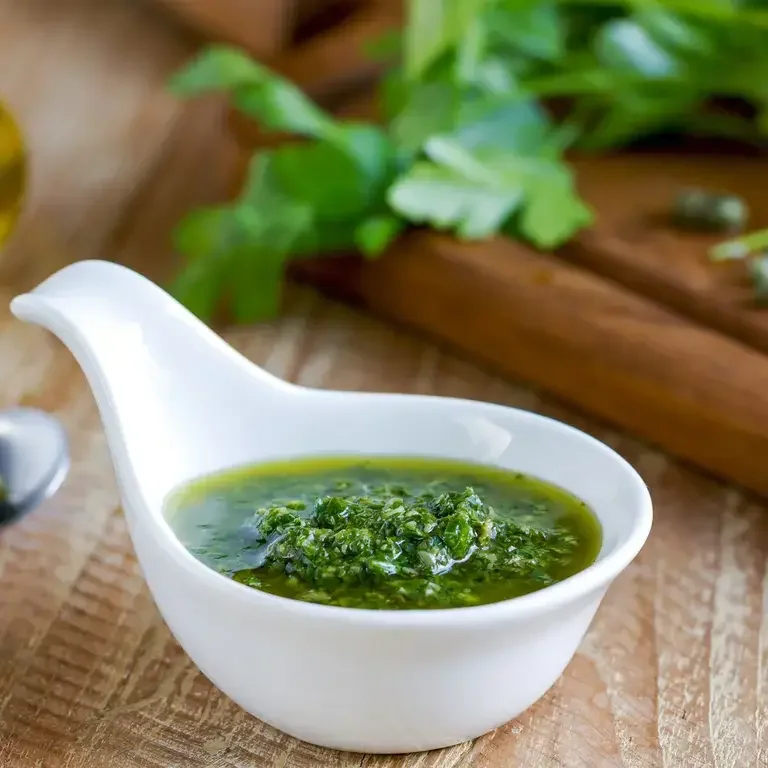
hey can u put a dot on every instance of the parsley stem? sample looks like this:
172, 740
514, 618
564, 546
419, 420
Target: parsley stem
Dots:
740, 247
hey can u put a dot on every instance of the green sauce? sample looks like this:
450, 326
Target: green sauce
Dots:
385, 533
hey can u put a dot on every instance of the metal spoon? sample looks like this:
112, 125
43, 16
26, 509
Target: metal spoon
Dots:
34, 453
34, 460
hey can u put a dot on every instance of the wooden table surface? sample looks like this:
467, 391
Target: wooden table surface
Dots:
674, 671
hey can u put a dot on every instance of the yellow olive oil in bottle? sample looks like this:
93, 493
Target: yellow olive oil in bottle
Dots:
12, 172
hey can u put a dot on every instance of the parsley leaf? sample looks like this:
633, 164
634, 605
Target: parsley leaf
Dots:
425, 109
626, 45
534, 28
241, 249
375, 234
434, 27
449, 198
474, 193
554, 212
256, 91
347, 187
204, 236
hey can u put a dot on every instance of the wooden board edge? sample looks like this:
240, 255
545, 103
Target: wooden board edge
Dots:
590, 252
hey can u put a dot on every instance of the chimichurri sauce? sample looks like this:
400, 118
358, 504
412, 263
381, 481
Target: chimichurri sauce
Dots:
385, 533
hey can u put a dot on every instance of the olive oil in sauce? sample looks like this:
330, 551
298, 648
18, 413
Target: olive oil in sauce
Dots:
385, 533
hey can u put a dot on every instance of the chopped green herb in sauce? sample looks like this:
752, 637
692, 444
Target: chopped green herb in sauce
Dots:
386, 533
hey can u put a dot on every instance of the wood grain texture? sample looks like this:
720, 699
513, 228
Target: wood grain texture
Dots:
633, 243
674, 671
338, 60
262, 27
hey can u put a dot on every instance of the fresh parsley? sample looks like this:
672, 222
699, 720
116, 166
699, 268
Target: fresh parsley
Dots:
470, 143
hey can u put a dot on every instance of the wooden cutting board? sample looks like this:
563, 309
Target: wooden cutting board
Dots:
616, 353
631, 322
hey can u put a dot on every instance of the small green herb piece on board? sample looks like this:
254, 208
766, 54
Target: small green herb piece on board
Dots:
750, 249
741, 247
700, 209
758, 272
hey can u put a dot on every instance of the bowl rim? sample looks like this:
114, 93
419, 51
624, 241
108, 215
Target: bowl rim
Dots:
594, 577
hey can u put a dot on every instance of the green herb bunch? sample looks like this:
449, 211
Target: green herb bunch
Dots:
468, 143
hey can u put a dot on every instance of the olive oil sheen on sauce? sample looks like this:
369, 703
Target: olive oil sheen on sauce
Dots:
385, 533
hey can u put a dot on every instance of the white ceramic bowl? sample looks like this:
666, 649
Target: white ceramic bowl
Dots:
367, 681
